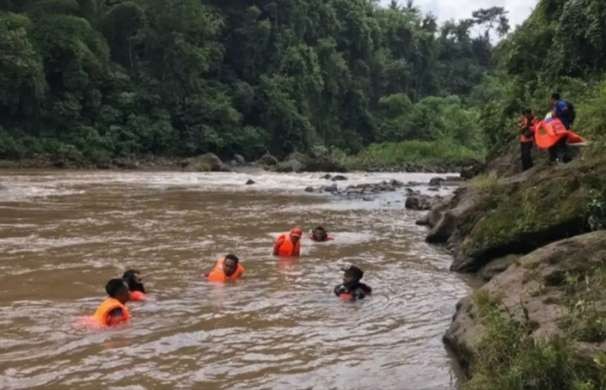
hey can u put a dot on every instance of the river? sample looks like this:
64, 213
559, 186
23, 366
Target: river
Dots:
64, 234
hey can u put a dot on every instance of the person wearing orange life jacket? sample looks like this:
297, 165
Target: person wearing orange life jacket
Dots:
527, 124
227, 269
289, 244
133, 280
113, 310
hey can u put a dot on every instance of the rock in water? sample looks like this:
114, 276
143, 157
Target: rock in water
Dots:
436, 181
339, 178
267, 160
208, 162
250, 182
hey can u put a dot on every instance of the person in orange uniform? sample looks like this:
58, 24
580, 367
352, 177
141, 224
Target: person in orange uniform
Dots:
133, 280
289, 244
227, 269
113, 310
527, 125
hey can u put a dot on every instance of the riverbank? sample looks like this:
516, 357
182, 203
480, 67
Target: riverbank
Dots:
537, 240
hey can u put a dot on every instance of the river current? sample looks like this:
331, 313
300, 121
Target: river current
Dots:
64, 234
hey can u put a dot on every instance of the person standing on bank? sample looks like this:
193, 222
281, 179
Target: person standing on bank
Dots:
527, 124
564, 111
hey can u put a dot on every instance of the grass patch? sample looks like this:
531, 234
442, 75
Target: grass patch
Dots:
510, 359
412, 153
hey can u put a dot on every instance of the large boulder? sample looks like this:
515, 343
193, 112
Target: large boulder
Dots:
208, 162
267, 160
537, 290
421, 202
528, 211
494, 217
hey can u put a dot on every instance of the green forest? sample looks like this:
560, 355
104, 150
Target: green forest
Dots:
92, 80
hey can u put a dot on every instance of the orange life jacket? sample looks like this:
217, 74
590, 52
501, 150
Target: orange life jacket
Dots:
287, 247
548, 133
137, 296
218, 275
107, 307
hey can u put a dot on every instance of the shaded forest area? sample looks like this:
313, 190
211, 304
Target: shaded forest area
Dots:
92, 80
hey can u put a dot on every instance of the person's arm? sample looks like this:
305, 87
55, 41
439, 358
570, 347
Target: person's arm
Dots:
114, 317
277, 245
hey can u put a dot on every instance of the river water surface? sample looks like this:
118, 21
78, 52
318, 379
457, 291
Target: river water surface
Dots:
64, 234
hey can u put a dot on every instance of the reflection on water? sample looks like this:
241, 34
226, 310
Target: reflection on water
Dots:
64, 234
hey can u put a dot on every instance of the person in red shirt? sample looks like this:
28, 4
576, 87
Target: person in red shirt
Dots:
289, 244
527, 126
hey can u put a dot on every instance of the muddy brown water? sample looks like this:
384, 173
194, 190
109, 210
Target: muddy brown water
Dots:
64, 234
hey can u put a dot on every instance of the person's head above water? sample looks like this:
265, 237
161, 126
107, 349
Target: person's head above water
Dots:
319, 234
117, 289
352, 274
230, 264
295, 234
133, 280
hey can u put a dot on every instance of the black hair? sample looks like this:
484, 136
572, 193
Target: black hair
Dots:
232, 257
131, 282
114, 286
527, 111
355, 272
319, 228
555, 96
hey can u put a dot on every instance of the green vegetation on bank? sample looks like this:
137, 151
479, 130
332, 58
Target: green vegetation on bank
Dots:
511, 359
92, 80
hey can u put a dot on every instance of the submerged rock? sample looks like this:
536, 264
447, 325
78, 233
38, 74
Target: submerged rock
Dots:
339, 178
250, 182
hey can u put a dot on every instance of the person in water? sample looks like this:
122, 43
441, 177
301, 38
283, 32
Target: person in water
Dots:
527, 124
227, 269
133, 280
113, 310
289, 244
352, 289
319, 234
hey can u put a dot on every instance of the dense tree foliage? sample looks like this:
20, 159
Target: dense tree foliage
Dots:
560, 48
96, 79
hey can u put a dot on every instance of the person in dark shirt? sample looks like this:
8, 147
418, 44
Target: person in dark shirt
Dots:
319, 234
352, 289
564, 111
133, 280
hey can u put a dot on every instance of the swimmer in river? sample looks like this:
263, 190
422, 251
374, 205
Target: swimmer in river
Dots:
352, 289
133, 280
227, 269
319, 234
289, 244
113, 310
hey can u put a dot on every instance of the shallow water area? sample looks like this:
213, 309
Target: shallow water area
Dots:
64, 234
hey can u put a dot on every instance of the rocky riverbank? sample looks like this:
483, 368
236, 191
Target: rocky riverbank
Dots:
529, 235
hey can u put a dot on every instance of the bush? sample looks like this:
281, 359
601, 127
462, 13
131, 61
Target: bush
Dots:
416, 153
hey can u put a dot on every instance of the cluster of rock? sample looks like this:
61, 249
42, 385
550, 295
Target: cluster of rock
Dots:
521, 233
359, 190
